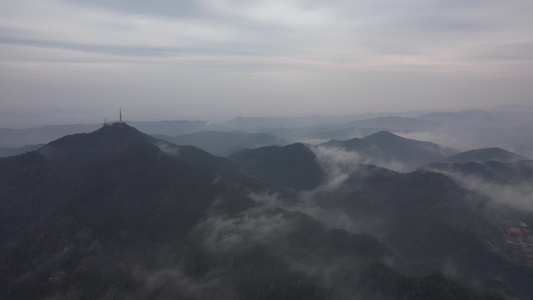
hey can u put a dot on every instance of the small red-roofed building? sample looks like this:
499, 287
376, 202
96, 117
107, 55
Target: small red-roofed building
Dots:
514, 231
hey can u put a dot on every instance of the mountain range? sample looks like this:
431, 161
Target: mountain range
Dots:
507, 128
119, 214
224, 143
385, 148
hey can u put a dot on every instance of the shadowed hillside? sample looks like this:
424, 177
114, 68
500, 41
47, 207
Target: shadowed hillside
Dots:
118, 214
292, 166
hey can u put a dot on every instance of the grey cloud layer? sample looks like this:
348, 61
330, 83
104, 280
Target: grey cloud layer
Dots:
310, 29
345, 55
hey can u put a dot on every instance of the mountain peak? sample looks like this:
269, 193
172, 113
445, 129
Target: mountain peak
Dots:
484, 155
383, 136
384, 133
108, 135
117, 127
384, 148
78, 155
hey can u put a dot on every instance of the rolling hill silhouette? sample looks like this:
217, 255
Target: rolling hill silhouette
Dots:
222, 143
483, 155
385, 148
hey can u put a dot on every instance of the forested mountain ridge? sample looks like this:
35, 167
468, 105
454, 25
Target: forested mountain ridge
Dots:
117, 214
385, 148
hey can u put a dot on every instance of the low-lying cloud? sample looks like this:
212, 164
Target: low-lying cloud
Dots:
256, 225
518, 195
338, 166
169, 149
337, 162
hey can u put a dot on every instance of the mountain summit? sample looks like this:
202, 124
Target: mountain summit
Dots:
385, 149
80, 154
110, 136
484, 155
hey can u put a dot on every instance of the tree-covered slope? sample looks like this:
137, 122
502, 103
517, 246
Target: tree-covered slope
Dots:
117, 214
292, 166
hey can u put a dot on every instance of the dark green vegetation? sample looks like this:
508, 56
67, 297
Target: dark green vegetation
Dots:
292, 166
117, 214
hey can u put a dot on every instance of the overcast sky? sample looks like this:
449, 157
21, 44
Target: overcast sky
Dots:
224, 58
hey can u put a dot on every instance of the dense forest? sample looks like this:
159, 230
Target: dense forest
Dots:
118, 214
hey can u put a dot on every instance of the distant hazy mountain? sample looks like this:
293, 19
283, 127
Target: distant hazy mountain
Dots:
483, 129
39, 135
397, 124
262, 124
354, 129
516, 107
364, 127
472, 129
11, 151
323, 132
265, 124
507, 128
282, 132
343, 132
483, 155
171, 128
443, 117
480, 117
224, 143
384, 148
258, 124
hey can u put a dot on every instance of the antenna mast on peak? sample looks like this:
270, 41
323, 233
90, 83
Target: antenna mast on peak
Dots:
120, 114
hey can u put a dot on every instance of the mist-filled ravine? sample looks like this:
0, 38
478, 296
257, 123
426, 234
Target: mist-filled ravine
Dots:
269, 208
